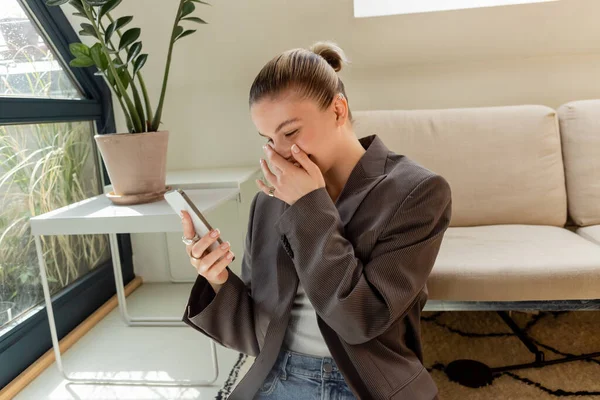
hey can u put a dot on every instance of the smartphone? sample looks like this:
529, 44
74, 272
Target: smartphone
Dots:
179, 200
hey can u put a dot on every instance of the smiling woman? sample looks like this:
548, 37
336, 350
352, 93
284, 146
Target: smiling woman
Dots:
337, 258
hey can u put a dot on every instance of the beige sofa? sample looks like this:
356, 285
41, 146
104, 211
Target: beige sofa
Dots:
525, 229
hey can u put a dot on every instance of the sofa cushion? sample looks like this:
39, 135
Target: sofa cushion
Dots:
504, 164
580, 131
591, 233
514, 263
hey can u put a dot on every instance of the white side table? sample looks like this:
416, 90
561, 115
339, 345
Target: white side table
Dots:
241, 178
97, 215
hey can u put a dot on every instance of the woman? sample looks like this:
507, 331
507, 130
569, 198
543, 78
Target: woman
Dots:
340, 242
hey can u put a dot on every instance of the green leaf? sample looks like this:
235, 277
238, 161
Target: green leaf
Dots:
195, 19
56, 2
82, 62
186, 33
178, 31
129, 37
99, 57
134, 50
187, 9
111, 78
124, 76
79, 49
139, 63
109, 6
87, 30
78, 14
114, 26
96, 3
109, 32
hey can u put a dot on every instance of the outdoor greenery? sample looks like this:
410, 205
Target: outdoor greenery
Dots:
43, 167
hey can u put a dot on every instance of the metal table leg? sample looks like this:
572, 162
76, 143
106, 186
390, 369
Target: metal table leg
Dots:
168, 264
121, 290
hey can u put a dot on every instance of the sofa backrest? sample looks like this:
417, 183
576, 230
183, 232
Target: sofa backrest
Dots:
580, 133
504, 164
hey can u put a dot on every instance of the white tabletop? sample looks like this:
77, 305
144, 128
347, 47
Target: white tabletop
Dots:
99, 215
206, 178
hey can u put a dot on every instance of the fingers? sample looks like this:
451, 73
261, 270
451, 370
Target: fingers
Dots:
188, 226
269, 176
201, 246
302, 158
210, 264
218, 272
265, 189
275, 158
206, 262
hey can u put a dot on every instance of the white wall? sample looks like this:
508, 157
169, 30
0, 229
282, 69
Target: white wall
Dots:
546, 53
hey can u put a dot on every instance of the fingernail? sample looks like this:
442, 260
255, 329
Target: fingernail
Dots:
225, 245
181, 215
229, 255
295, 149
214, 233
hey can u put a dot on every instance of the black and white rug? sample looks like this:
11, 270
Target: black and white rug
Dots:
239, 369
483, 336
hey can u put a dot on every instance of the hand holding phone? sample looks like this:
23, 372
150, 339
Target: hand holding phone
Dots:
209, 255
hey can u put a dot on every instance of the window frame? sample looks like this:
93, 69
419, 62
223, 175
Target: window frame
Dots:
30, 339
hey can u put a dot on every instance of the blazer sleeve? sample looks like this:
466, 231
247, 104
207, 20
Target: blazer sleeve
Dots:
227, 317
360, 300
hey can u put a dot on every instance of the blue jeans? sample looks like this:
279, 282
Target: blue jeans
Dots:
302, 377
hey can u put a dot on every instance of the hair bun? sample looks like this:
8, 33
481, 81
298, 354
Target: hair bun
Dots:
331, 52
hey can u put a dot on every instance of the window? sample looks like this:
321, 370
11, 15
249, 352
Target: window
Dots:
28, 67
374, 8
49, 114
44, 167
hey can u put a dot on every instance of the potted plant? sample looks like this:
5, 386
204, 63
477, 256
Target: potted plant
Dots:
136, 160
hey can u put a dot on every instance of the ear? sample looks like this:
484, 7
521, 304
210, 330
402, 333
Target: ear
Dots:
340, 107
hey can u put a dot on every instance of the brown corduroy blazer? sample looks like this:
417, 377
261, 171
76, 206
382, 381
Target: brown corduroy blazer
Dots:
363, 262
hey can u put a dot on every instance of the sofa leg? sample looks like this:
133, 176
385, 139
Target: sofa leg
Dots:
475, 374
523, 337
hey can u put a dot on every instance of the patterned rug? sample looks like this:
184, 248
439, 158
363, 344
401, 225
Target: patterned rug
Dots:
483, 336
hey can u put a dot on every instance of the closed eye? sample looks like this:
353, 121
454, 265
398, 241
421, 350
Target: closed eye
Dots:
287, 134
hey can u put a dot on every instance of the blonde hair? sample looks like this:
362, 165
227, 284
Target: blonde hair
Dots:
311, 73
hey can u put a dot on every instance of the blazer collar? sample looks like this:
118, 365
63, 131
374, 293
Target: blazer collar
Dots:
367, 173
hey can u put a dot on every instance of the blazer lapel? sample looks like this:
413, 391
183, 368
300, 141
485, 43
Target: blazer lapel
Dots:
367, 173
287, 286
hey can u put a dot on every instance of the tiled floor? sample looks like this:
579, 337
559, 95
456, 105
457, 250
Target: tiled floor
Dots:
112, 349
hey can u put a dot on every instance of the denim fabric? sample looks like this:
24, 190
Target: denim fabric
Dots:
298, 376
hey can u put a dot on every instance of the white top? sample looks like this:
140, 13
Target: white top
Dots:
303, 334
99, 215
